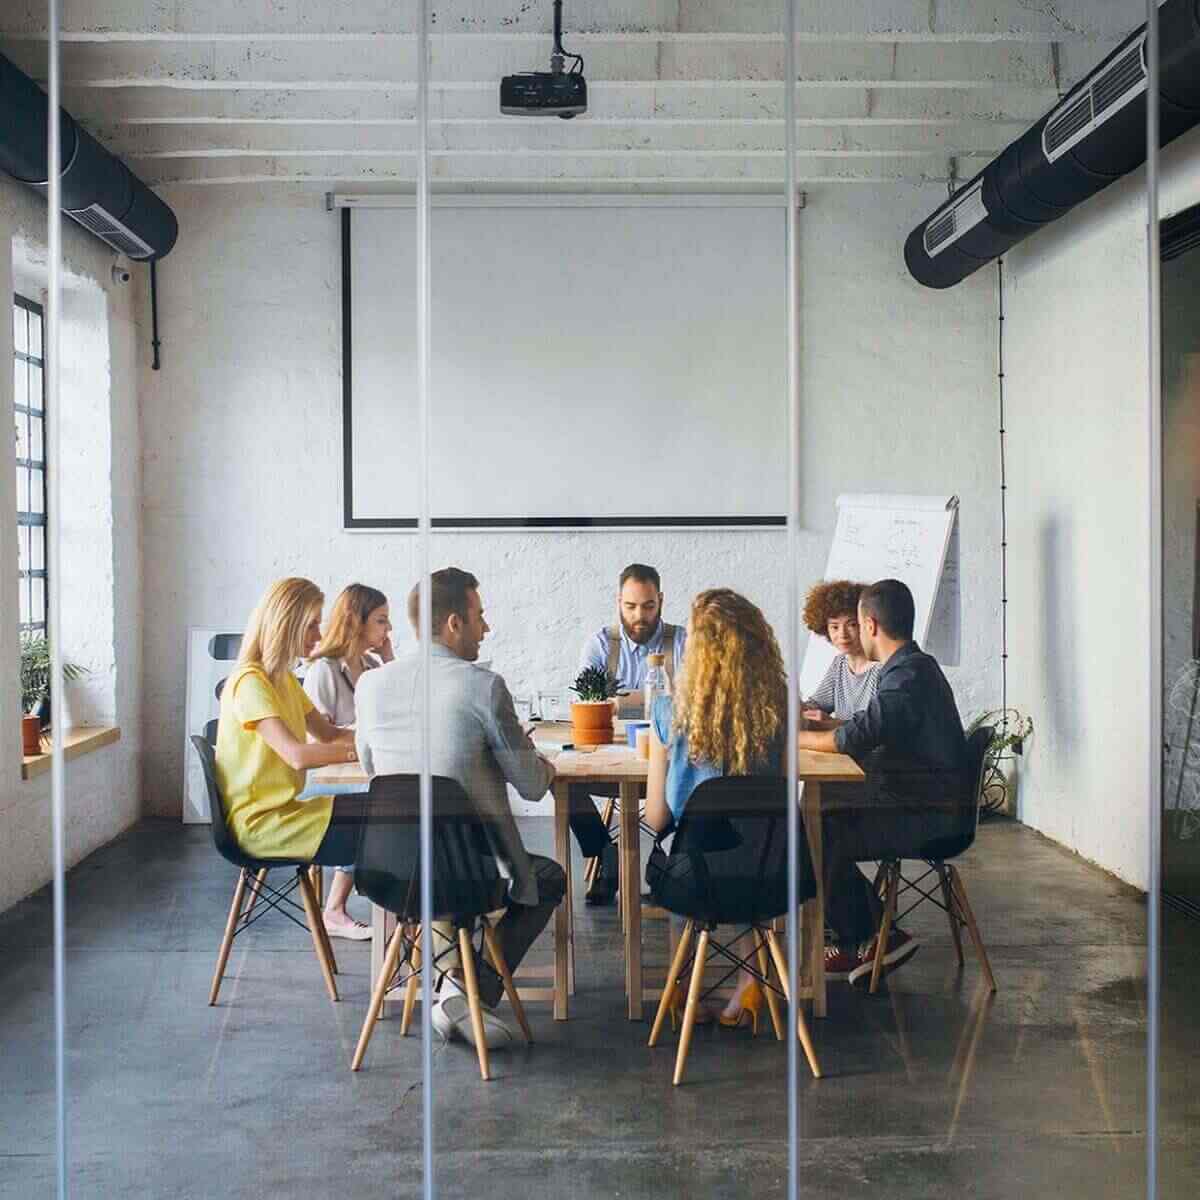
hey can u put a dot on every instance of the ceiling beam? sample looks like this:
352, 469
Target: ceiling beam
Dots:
224, 65
641, 102
890, 20
555, 138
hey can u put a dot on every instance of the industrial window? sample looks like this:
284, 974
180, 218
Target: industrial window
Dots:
29, 410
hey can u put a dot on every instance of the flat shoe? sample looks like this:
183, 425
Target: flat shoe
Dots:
455, 1011
357, 932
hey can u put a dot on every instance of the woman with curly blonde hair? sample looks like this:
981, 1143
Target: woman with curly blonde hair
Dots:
728, 717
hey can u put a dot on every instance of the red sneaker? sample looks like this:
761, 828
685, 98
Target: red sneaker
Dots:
900, 948
839, 963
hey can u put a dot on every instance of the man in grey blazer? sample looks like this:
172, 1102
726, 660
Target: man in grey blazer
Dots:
478, 742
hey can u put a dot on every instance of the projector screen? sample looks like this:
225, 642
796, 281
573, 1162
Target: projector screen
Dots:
592, 365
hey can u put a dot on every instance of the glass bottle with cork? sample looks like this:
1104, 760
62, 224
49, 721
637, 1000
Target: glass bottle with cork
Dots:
656, 683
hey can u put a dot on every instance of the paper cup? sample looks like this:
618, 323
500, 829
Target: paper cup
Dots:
643, 743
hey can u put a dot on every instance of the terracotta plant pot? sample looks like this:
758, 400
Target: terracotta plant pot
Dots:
31, 735
592, 722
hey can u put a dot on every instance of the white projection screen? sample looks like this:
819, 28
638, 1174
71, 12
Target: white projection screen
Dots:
593, 364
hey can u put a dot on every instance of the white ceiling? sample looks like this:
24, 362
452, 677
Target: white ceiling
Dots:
684, 94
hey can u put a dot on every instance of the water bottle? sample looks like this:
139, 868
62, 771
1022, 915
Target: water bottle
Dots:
656, 684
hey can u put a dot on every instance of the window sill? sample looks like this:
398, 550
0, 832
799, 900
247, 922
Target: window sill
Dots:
78, 742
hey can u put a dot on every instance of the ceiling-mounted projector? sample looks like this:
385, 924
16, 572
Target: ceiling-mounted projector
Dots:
553, 93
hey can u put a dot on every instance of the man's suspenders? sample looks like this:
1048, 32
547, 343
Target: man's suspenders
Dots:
613, 665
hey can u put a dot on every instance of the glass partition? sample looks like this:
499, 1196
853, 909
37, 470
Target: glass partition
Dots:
808, 335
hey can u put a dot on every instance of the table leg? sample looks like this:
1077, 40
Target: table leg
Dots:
631, 891
813, 919
562, 921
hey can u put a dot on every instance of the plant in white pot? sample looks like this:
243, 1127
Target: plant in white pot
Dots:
592, 713
997, 792
35, 687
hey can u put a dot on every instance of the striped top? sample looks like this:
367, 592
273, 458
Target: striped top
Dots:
841, 693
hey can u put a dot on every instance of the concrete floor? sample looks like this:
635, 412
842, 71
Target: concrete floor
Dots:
935, 1090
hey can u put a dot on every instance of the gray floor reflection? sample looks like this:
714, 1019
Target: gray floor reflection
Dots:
934, 1089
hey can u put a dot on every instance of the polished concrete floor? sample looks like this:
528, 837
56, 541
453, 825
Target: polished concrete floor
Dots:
934, 1090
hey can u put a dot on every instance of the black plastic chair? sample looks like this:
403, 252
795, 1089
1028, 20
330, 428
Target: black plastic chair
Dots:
935, 853
467, 885
728, 865
252, 877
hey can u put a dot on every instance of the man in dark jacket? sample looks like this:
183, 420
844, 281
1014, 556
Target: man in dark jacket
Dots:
910, 741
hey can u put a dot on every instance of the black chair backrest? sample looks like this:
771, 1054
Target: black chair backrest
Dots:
224, 841
210, 732
977, 745
731, 848
466, 878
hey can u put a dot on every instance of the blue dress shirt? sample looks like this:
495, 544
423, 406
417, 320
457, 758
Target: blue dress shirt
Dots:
633, 662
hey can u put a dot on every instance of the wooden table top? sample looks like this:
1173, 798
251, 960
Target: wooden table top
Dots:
612, 763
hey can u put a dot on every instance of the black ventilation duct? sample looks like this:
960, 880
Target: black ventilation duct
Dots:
98, 190
1092, 137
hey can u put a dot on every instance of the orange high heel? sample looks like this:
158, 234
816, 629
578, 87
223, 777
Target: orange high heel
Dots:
678, 1003
750, 1006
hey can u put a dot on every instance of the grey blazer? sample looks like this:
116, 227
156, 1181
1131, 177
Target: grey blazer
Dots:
476, 741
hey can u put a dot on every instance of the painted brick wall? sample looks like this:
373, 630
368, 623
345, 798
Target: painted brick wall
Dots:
101, 549
241, 446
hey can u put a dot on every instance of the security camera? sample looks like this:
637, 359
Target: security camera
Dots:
121, 274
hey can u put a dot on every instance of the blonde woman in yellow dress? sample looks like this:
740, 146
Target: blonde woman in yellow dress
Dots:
263, 749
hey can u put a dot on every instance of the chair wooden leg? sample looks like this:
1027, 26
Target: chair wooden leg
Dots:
972, 928
880, 877
467, 954
764, 965
410, 988
693, 1003
255, 892
501, 965
802, 1031
325, 938
677, 961
952, 910
314, 921
806, 1041
594, 863
885, 926
773, 944
381, 986
235, 911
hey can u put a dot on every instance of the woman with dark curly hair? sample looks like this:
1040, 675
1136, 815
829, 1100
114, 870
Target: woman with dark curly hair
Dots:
831, 610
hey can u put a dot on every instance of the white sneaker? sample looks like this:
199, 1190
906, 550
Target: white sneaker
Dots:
452, 1016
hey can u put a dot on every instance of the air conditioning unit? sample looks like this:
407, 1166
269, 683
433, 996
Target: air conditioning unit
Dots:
98, 190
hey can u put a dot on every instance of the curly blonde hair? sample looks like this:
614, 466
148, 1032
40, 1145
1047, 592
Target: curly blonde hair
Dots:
828, 600
731, 697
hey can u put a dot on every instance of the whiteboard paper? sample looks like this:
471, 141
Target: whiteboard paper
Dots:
896, 537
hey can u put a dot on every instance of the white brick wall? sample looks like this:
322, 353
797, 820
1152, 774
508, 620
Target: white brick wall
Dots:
242, 445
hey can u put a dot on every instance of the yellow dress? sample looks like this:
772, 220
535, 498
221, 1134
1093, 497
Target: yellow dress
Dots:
259, 789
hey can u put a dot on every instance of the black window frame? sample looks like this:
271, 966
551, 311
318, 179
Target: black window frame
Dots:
25, 516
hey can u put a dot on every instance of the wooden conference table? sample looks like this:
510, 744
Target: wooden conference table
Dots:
617, 764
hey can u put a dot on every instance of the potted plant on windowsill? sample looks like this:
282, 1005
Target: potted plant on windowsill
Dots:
35, 688
592, 713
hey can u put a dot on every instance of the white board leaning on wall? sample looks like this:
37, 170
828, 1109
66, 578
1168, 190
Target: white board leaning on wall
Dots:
910, 538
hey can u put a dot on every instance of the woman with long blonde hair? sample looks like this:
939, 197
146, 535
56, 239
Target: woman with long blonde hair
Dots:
358, 637
728, 717
262, 749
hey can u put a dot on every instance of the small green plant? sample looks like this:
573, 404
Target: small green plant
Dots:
1011, 730
596, 684
35, 672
